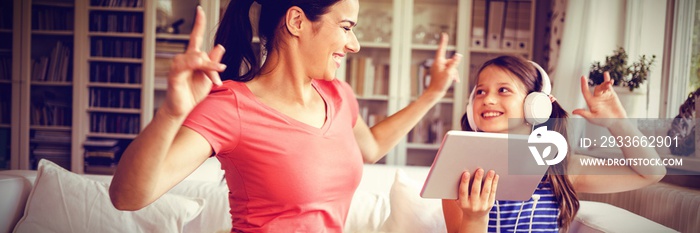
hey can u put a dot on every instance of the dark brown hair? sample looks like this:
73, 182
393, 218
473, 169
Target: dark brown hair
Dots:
235, 32
556, 174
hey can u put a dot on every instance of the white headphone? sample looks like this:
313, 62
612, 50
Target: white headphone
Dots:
537, 105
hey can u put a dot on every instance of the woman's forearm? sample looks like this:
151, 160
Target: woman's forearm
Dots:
388, 132
136, 179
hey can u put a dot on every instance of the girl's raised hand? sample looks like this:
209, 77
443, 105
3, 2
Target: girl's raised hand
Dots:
604, 107
193, 73
443, 72
477, 201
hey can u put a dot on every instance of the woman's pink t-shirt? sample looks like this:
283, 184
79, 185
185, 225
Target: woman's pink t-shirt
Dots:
283, 175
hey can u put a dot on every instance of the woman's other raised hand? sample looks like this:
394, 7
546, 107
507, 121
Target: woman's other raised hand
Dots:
193, 73
444, 71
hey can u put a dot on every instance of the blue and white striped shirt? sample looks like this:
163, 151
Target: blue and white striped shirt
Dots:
544, 219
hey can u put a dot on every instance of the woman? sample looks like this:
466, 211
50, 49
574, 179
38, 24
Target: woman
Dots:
498, 106
288, 135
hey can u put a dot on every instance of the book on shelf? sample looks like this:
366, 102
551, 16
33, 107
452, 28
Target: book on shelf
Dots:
104, 72
5, 106
510, 26
120, 22
5, 68
367, 77
524, 30
478, 36
117, 3
114, 123
101, 170
51, 18
115, 98
116, 47
50, 137
494, 30
55, 67
421, 72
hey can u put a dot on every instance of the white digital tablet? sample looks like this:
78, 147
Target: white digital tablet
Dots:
507, 154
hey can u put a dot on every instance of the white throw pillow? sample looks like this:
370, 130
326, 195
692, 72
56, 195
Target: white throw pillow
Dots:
61, 201
410, 212
368, 210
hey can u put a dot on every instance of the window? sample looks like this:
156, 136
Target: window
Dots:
694, 76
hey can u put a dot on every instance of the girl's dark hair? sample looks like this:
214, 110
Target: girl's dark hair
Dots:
235, 32
556, 174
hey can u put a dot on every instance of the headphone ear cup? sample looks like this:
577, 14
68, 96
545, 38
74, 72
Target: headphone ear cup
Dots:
537, 108
470, 116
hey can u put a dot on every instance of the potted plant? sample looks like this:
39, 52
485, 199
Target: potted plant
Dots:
625, 76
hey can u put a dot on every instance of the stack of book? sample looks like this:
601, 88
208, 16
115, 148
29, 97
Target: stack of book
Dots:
101, 156
53, 146
165, 51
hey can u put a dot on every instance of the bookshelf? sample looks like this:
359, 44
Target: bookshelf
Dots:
117, 91
9, 32
390, 71
46, 83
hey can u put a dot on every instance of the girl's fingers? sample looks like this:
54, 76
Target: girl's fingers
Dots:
464, 187
486, 189
494, 188
476, 184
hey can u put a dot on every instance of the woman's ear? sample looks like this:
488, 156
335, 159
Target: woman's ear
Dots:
294, 20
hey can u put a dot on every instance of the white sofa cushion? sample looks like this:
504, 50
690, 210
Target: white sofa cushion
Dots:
61, 201
410, 212
597, 217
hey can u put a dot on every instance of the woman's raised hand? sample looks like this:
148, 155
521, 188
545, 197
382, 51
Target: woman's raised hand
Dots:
604, 107
193, 73
444, 71
476, 201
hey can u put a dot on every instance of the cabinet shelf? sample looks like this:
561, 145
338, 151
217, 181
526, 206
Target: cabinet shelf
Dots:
54, 4
116, 34
116, 9
111, 135
50, 127
423, 146
166, 36
373, 98
58, 84
116, 85
116, 60
5, 126
376, 45
115, 110
5, 30
431, 47
52, 33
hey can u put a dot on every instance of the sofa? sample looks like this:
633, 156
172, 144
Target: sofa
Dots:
52, 199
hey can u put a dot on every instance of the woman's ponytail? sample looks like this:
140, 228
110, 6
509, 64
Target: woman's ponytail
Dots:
235, 33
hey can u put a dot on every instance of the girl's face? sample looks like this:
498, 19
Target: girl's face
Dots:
332, 40
498, 102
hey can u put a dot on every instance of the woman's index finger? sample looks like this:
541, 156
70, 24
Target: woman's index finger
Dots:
196, 37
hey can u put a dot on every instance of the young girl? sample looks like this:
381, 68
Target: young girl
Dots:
287, 133
498, 99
